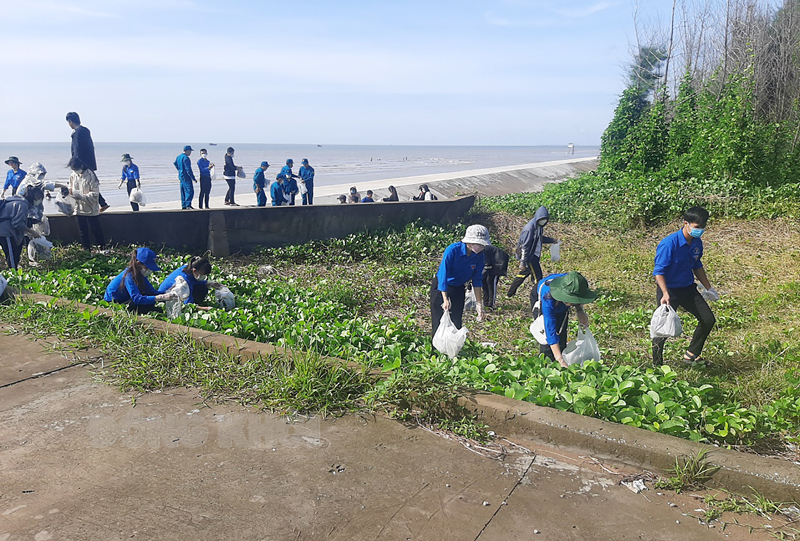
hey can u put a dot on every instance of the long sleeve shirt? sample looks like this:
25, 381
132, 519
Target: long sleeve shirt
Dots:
123, 288
83, 147
259, 180
307, 175
184, 166
85, 188
202, 165
14, 218
277, 194
169, 281
550, 308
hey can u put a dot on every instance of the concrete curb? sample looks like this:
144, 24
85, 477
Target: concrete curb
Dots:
739, 472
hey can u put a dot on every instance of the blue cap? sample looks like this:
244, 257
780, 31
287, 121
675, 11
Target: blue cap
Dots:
187, 147
305, 161
148, 258
289, 161
264, 164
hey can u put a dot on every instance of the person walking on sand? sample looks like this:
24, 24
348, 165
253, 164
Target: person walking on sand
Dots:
260, 184
307, 178
229, 174
204, 166
83, 149
678, 262
529, 251
185, 174
14, 176
130, 176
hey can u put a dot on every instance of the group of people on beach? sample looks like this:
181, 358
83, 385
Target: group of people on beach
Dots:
474, 262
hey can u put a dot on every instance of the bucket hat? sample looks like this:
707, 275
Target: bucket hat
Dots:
572, 287
126, 156
148, 258
13, 159
36, 169
476, 234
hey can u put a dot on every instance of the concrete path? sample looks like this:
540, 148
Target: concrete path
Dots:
81, 460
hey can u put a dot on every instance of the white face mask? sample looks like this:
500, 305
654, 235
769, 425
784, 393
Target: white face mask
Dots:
204, 155
127, 162
201, 277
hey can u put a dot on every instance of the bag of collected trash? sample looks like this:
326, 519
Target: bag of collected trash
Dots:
180, 291
42, 227
225, 298
240, 172
583, 348
39, 249
470, 302
212, 171
537, 327
65, 203
448, 339
303, 189
555, 251
3, 284
710, 295
665, 322
138, 197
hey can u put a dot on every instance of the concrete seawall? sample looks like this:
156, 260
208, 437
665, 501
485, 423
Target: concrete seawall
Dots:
244, 229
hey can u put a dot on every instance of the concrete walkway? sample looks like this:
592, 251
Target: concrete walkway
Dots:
81, 460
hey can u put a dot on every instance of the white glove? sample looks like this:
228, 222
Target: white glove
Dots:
710, 294
165, 297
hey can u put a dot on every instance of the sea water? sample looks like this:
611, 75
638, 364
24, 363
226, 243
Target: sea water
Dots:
334, 164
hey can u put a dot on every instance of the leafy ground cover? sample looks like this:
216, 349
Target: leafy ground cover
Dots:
364, 298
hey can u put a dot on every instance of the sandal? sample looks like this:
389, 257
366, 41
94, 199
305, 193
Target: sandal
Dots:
690, 359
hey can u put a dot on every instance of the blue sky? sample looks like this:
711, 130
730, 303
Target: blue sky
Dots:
503, 72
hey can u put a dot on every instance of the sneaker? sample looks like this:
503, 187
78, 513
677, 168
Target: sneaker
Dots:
104, 208
234, 204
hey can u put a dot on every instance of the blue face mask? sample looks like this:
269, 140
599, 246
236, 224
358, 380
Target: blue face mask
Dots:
696, 233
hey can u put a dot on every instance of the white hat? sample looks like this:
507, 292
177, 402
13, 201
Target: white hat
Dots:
476, 234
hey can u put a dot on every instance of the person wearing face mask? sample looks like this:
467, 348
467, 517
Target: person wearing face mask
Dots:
132, 286
196, 275
35, 179
205, 178
558, 294
678, 262
130, 175
289, 181
529, 252
14, 223
462, 262
229, 174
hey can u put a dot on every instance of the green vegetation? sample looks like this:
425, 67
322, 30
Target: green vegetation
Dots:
689, 472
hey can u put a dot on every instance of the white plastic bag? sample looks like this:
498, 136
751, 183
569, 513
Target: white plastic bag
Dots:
180, 291
39, 249
225, 298
42, 227
240, 172
555, 251
138, 197
3, 284
537, 330
212, 171
470, 302
711, 295
303, 189
583, 348
665, 322
65, 204
448, 339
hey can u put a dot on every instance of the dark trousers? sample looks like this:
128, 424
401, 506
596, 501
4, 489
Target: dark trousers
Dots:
562, 324
131, 186
261, 198
693, 302
84, 223
490, 283
456, 296
231, 190
531, 268
143, 308
12, 250
205, 192
308, 197
291, 197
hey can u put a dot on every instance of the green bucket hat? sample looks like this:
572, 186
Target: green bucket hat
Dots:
126, 156
13, 159
572, 287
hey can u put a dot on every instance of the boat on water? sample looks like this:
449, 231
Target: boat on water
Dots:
212, 144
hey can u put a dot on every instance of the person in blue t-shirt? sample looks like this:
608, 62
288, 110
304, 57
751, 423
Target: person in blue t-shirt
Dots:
132, 286
678, 262
196, 275
14, 176
277, 192
185, 174
204, 167
462, 262
368, 198
558, 293
289, 181
130, 175
260, 184
307, 178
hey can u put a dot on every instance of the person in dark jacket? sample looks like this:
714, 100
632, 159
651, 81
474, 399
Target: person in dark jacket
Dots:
83, 148
130, 175
14, 223
204, 166
260, 184
392, 195
495, 265
229, 174
529, 251
307, 178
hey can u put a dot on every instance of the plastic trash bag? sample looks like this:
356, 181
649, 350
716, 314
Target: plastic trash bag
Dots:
42, 227
225, 298
711, 295
138, 197
537, 330
555, 251
240, 172
583, 348
665, 322
448, 339
303, 189
212, 171
3, 284
65, 204
180, 291
39, 249
470, 302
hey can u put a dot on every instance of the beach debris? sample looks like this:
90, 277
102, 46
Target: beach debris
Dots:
635, 486
486, 504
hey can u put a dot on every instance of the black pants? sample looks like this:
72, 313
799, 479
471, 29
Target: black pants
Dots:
131, 186
490, 283
144, 308
533, 267
456, 296
84, 223
205, 191
231, 190
693, 302
12, 250
562, 324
